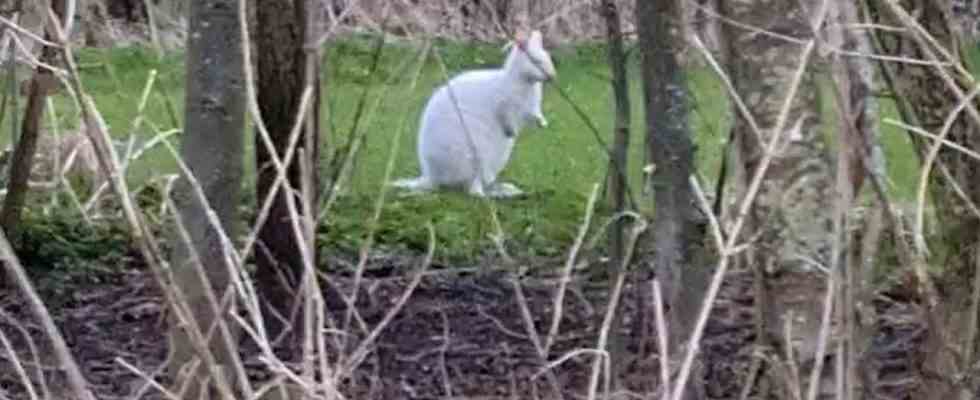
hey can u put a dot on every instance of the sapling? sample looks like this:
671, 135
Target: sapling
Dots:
469, 125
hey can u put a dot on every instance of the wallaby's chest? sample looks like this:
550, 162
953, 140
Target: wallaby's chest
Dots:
513, 101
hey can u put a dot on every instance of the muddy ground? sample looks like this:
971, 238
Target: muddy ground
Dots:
460, 335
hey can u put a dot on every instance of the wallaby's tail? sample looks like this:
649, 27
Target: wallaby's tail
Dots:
420, 183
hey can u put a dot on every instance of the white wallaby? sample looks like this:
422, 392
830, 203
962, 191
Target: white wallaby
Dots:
470, 124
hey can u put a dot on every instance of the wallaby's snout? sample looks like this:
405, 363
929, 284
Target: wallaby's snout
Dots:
540, 56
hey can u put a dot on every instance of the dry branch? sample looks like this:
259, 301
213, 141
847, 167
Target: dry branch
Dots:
17, 274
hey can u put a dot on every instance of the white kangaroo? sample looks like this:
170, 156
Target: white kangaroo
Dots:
470, 124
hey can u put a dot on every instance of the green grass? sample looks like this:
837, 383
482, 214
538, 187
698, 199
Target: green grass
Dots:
558, 165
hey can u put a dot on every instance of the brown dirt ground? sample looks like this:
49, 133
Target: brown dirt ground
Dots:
461, 335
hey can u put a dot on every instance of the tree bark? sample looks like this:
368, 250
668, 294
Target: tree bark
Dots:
176, 9
127, 10
213, 148
859, 155
676, 229
621, 131
951, 341
617, 171
790, 216
42, 84
854, 78
95, 23
282, 74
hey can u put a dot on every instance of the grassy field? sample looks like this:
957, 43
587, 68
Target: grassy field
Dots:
557, 166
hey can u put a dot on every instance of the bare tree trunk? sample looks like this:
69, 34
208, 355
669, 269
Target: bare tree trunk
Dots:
618, 162
859, 154
617, 171
95, 24
127, 10
951, 342
11, 6
854, 78
42, 84
282, 71
153, 25
676, 232
790, 216
706, 25
176, 9
213, 149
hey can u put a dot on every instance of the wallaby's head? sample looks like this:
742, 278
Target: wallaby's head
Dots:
529, 58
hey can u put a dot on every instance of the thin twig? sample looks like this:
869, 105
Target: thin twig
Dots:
823, 336
566, 276
18, 367
662, 340
16, 272
32, 347
533, 335
610, 316
362, 349
148, 379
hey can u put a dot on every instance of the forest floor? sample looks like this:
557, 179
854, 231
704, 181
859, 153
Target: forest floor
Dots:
460, 335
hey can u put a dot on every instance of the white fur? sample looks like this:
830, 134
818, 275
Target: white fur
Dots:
463, 139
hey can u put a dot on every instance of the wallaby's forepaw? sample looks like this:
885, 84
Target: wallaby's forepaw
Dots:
504, 190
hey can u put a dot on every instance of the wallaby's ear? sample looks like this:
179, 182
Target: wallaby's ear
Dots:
535, 40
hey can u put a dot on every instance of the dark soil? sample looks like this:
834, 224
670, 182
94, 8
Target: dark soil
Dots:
460, 335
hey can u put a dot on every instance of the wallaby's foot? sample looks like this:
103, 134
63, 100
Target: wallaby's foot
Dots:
476, 188
412, 193
542, 121
504, 190
414, 186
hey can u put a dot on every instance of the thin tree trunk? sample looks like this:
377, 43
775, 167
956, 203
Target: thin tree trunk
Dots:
617, 170
618, 162
854, 77
176, 9
212, 147
152, 23
41, 85
860, 153
11, 6
282, 71
95, 23
676, 230
790, 219
951, 340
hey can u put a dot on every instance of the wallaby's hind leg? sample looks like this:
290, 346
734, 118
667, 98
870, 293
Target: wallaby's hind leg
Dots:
503, 190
